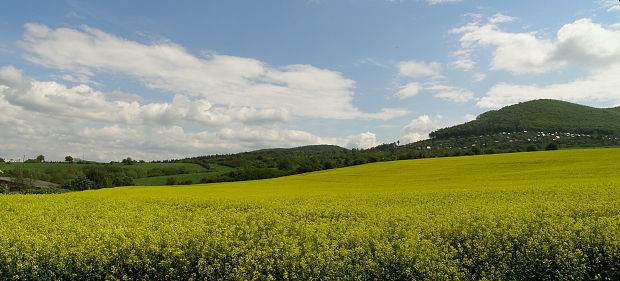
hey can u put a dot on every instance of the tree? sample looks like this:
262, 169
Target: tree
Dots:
285, 164
476, 150
80, 183
1, 160
68, 158
171, 181
128, 161
40, 158
552, 146
531, 147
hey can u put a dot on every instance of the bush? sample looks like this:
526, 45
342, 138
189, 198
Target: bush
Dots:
552, 146
476, 150
531, 147
80, 183
171, 181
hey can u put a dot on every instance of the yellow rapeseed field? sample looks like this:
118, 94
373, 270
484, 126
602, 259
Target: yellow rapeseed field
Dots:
527, 216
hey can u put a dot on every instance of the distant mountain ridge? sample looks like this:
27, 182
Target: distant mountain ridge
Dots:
314, 147
539, 115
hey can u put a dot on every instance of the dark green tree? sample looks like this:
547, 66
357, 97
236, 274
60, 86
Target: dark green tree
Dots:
285, 164
68, 158
171, 181
552, 146
476, 150
80, 183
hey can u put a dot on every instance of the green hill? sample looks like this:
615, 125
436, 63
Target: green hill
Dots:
316, 148
539, 115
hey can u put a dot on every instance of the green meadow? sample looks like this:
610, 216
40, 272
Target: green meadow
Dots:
552, 215
195, 177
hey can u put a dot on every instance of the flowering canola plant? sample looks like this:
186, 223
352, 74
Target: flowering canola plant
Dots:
527, 216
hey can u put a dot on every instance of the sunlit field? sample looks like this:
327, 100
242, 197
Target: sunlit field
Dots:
526, 216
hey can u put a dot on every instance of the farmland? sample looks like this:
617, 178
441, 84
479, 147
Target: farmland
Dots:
196, 177
551, 215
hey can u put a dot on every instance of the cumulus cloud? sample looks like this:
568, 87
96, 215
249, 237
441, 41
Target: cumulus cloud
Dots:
408, 90
363, 140
599, 87
450, 93
83, 102
581, 43
419, 128
416, 69
434, 2
500, 18
464, 60
514, 52
590, 46
51, 118
609, 5
431, 73
479, 77
456, 95
302, 90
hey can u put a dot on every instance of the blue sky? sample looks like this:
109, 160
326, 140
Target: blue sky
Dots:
160, 80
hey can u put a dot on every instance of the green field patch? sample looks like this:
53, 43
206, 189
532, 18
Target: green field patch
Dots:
192, 178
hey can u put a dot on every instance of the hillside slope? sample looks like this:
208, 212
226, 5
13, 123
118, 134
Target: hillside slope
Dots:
539, 115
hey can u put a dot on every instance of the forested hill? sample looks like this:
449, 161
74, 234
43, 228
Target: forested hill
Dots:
539, 115
316, 148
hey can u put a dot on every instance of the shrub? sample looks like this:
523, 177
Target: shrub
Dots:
171, 181
552, 146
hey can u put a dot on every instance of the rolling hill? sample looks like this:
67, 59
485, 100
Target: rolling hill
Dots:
546, 121
539, 115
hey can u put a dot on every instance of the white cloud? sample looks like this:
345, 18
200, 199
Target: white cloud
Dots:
363, 140
450, 93
419, 128
456, 95
408, 90
302, 90
593, 47
469, 117
599, 87
55, 120
587, 44
83, 102
609, 5
500, 18
514, 52
582, 43
417, 69
479, 77
431, 73
434, 2
464, 62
